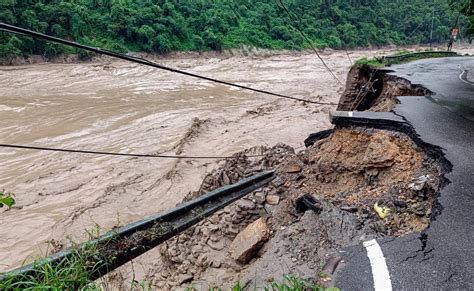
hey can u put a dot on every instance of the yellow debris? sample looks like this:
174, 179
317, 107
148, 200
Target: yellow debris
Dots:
382, 211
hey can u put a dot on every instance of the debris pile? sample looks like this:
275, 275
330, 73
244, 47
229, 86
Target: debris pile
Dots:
206, 245
361, 184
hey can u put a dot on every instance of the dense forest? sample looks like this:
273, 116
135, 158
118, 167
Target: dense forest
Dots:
169, 25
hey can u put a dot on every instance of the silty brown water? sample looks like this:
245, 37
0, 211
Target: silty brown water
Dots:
122, 107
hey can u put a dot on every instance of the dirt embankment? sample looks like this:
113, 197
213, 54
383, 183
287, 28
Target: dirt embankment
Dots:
372, 89
351, 174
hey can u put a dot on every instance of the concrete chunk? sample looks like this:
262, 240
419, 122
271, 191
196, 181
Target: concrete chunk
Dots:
247, 243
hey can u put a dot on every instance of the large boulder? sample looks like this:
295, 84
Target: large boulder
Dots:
247, 243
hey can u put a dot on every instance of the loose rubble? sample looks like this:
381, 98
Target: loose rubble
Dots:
366, 183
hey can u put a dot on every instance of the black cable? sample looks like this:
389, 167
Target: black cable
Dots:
21, 31
296, 26
120, 154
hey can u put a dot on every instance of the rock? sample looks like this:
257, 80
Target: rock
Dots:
273, 199
236, 219
259, 197
214, 219
245, 204
173, 251
350, 209
379, 227
277, 182
185, 278
247, 243
227, 218
177, 259
216, 264
225, 178
400, 203
205, 231
292, 169
419, 183
216, 245
213, 227
214, 238
232, 230
202, 260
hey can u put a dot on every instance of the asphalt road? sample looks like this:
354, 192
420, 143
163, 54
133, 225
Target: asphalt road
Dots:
442, 256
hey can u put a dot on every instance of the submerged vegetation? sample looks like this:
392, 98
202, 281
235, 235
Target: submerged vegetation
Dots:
179, 25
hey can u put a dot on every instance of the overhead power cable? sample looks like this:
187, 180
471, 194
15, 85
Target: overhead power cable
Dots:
24, 147
26, 32
308, 40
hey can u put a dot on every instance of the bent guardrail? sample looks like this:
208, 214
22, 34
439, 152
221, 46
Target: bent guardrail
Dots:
120, 246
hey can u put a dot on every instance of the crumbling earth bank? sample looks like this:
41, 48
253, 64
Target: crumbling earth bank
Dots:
352, 175
373, 89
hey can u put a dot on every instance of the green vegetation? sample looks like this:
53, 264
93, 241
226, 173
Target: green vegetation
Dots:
69, 274
73, 272
401, 57
290, 283
375, 62
6, 199
180, 25
465, 7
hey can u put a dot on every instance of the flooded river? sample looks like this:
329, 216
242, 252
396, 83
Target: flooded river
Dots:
128, 108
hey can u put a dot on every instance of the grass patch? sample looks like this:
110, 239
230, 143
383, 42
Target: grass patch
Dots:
293, 283
400, 57
71, 272
375, 62
290, 283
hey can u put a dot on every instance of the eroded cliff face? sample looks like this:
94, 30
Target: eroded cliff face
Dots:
372, 89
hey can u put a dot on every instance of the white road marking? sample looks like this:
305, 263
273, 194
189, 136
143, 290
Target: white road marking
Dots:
464, 71
379, 266
350, 113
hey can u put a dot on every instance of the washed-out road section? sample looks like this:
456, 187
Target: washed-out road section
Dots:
442, 256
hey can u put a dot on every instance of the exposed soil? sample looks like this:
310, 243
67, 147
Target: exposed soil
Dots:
348, 173
373, 89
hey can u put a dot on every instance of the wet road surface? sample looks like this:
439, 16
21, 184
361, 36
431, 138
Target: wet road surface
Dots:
442, 256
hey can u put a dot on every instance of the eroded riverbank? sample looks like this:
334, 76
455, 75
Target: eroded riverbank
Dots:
127, 108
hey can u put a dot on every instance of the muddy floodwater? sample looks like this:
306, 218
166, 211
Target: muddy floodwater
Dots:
127, 108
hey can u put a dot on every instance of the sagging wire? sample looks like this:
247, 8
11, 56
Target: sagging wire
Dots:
26, 32
27, 147
308, 40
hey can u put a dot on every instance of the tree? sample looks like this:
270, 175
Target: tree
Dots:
165, 25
